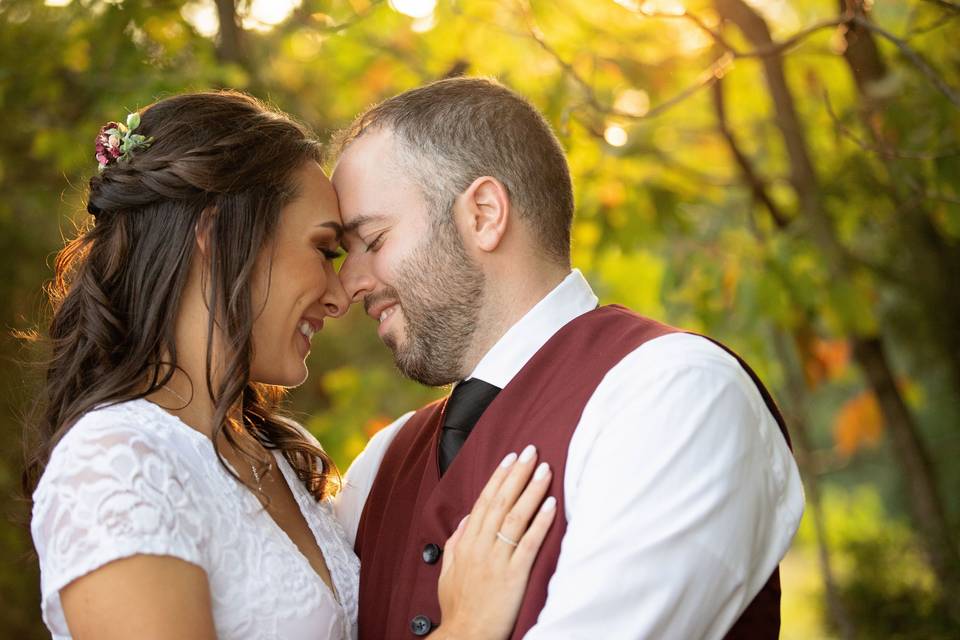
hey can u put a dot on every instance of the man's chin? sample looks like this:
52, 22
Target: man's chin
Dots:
391, 342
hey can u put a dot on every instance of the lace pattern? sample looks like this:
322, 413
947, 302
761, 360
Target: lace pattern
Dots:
132, 479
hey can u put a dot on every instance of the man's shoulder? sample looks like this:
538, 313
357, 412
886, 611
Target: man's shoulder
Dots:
676, 352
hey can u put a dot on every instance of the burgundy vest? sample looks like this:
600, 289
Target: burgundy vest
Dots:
411, 510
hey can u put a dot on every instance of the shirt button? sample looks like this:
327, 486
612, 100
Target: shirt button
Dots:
431, 553
421, 625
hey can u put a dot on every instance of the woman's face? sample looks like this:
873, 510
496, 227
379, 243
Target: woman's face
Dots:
295, 286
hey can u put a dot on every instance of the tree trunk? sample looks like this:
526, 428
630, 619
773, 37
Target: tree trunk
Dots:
798, 423
933, 258
923, 493
229, 43
926, 506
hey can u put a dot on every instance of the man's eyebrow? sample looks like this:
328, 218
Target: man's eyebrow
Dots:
336, 226
361, 220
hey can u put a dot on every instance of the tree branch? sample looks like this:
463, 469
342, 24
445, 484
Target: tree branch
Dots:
774, 48
945, 4
885, 152
757, 185
913, 56
716, 71
665, 160
305, 17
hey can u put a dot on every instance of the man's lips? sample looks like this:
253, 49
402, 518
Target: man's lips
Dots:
382, 310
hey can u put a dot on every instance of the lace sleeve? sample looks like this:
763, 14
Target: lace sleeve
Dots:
113, 488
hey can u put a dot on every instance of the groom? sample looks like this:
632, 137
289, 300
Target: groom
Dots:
676, 489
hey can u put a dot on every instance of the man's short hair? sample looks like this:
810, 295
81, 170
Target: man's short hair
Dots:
453, 131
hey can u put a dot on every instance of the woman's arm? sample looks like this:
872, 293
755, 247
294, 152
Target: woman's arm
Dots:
487, 561
144, 597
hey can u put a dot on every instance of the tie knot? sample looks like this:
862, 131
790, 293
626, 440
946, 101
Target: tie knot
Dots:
467, 402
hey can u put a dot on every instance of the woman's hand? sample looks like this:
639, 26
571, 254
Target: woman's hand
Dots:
487, 560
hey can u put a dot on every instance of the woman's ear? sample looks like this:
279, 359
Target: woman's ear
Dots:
485, 213
202, 230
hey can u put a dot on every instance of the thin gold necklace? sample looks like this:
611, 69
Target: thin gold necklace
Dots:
256, 474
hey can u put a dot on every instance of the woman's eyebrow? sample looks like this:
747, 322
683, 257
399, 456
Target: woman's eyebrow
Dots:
336, 226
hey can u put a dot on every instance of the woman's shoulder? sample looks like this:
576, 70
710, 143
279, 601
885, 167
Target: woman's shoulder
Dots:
124, 419
117, 445
117, 485
137, 425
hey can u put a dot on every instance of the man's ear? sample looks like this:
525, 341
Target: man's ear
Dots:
485, 211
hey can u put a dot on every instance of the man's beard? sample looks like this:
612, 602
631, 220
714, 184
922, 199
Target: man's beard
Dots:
440, 291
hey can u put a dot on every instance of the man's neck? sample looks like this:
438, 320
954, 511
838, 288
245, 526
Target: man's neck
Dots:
506, 301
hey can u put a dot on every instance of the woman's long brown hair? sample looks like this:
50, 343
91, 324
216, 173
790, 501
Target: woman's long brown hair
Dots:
222, 164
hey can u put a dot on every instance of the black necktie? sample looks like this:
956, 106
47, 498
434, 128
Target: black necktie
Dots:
466, 404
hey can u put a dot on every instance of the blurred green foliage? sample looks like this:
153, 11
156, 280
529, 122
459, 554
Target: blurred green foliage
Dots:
803, 275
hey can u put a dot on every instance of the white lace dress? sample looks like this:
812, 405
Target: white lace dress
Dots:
133, 479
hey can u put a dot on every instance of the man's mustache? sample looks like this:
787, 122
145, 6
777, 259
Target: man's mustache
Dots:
388, 294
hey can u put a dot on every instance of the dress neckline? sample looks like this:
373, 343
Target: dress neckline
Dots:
295, 487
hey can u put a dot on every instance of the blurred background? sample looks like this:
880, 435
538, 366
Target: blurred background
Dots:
781, 174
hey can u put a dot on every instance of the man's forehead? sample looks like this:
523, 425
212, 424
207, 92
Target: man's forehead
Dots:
366, 171
373, 146
353, 223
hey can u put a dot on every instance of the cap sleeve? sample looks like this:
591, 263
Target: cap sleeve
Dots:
114, 487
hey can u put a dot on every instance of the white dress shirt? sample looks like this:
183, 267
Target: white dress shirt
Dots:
681, 495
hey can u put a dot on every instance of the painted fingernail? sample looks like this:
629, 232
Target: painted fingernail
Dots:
528, 453
509, 460
541, 471
549, 504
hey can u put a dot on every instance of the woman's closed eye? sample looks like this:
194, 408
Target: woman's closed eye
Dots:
328, 253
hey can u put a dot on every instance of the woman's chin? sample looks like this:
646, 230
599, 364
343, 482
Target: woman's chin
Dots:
295, 377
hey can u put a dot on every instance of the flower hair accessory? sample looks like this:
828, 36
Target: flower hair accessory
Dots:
117, 141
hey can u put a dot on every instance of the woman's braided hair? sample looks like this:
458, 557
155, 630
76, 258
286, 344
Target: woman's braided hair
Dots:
220, 163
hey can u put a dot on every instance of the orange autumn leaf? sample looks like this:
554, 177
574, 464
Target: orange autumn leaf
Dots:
378, 77
858, 424
374, 425
612, 193
834, 355
823, 360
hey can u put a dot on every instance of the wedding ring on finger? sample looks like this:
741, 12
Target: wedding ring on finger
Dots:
507, 540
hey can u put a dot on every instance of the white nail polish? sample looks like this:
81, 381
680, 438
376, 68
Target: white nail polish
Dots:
509, 460
549, 504
528, 453
541, 471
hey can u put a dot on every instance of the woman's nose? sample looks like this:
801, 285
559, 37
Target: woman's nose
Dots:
335, 300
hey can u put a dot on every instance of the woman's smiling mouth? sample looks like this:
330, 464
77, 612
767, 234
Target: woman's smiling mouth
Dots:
306, 329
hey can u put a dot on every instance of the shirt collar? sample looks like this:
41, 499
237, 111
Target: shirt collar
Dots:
571, 298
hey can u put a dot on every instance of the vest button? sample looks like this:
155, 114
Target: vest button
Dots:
421, 625
431, 553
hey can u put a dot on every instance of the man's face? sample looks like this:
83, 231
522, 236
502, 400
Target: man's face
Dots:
413, 276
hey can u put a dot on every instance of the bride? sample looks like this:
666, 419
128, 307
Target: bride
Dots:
170, 497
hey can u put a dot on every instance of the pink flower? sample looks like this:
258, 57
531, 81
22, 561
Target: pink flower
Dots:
108, 144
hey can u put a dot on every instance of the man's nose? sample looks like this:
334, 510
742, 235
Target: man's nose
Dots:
356, 278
